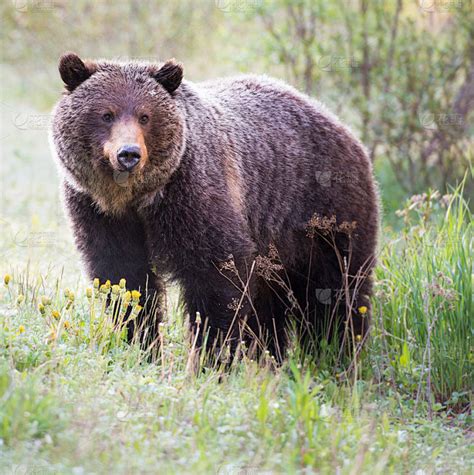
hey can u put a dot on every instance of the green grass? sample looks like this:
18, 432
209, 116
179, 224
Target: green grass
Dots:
425, 299
75, 398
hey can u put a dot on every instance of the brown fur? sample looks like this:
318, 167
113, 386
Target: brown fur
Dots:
123, 132
233, 179
235, 167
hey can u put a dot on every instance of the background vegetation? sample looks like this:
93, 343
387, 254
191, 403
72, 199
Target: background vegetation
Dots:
74, 398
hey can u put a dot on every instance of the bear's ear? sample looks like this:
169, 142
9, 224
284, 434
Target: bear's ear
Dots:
169, 75
74, 71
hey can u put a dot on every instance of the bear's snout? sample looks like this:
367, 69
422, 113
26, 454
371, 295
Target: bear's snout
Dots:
128, 156
125, 148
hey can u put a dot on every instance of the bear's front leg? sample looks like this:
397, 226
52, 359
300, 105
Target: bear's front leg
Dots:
223, 301
113, 248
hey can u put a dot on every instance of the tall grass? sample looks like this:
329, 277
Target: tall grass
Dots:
424, 305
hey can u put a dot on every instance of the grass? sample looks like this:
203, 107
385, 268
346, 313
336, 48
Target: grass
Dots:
426, 301
76, 398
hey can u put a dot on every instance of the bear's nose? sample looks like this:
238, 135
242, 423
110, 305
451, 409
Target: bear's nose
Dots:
128, 156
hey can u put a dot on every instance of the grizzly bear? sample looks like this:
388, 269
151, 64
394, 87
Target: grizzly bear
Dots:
250, 195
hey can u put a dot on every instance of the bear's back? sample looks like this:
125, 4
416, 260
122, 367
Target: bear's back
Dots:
267, 111
280, 148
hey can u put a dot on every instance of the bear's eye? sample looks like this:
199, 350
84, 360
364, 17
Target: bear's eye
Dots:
108, 117
144, 119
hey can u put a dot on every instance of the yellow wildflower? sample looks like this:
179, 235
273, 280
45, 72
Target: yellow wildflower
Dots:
6, 279
136, 295
67, 324
115, 289
122, 283
20, 299
363, 310
89, 293
56, 314
21, 329
41, 308
359, 337
135, 312
103, 289
96, 283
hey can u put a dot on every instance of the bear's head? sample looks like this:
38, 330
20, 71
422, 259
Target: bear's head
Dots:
118, 131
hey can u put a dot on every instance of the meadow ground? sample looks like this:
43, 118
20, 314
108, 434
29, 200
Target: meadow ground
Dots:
75, 398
